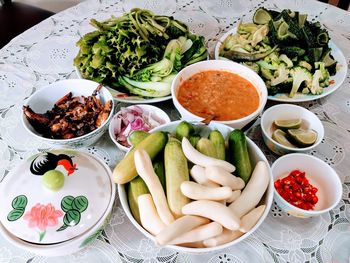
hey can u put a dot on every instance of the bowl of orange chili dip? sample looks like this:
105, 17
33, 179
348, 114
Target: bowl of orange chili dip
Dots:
221, 91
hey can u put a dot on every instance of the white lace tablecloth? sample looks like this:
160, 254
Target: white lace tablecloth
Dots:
44, 54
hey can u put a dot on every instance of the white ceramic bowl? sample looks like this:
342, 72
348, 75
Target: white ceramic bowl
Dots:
255, 155
73, 245
230, 66
44, 99
319, 174
285, 112
159, 113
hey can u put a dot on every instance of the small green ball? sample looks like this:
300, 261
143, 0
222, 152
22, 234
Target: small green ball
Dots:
53, 180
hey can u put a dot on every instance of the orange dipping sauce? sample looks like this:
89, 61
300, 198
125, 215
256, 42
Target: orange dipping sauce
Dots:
222, 94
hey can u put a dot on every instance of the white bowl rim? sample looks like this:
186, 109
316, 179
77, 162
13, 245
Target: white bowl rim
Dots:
297, 209
144, 106
268, 193
319, 136
50, 140
263, 90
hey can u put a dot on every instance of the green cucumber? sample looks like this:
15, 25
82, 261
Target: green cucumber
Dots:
136, 188
159, 170
184, 129
219, 143
176, 172
239, 155
194, 139
206, 147
125, 170
137, 136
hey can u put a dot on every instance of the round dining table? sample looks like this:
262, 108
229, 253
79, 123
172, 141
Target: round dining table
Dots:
44, 54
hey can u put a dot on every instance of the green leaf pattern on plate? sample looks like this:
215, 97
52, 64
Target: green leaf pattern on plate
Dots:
73, 207
15, 214
80, 203
19, 204
66, 203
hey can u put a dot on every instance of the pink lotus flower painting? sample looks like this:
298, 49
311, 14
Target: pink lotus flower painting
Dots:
42, 216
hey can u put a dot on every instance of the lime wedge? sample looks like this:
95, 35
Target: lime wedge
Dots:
303, 137
281, 137
288, 124
283, 32
261, 16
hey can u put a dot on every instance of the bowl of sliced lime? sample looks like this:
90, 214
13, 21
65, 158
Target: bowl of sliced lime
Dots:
290, 128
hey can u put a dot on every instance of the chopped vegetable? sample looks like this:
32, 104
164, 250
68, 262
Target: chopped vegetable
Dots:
134, 118
299, 76
280, 43
296, 190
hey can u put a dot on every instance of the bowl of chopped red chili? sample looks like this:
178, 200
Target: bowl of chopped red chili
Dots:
305, 186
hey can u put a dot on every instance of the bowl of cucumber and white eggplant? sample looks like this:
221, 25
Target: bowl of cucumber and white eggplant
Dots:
194, 187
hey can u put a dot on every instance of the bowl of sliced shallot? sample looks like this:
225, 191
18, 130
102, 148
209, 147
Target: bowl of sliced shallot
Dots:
72, 112
132, 123
195, 188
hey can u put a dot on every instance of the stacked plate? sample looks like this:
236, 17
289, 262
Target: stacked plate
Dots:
56, 202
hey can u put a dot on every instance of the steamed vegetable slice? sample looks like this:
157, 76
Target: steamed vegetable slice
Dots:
144, 168
220, 176
253, 191
249, 220
198, 175
198, 234
178, 227
149, 216
214, 211
234, 196
196, 191
198, 158
225, 237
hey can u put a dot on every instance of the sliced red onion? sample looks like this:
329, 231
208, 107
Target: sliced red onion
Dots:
132, 119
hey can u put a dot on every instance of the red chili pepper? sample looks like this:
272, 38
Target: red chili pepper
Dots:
296, 190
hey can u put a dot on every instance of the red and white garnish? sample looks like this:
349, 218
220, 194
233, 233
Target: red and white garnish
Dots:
134, 118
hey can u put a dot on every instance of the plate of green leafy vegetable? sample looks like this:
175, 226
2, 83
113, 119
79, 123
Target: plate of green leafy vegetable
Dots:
295, 57
138, 54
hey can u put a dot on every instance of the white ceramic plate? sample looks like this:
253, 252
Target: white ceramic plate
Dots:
31, 212
123, 97
282, 97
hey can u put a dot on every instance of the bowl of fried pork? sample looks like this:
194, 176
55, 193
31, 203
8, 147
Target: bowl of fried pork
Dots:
73, 112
